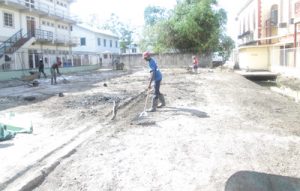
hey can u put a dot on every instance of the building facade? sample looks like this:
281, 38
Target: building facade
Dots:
35, 29
269, 35
95, 46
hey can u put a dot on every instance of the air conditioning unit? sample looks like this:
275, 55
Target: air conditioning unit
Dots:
282, 25
292, 21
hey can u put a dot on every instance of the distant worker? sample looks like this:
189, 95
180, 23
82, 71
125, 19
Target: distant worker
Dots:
54, 69
41, 68
195, 64
156, 76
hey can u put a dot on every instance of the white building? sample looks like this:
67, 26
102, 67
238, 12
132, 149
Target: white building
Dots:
269, 36
96, 46
34, 29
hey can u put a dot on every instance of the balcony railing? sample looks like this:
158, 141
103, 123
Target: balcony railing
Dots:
42, 8
49, 37
43, 35
66, 40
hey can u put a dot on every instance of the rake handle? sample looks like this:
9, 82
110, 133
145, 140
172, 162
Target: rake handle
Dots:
148, 92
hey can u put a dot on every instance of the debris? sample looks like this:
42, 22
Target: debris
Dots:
35, 83
5, 134
11, 124
31, 77
115, 109
61, 94
105, 85
29, 98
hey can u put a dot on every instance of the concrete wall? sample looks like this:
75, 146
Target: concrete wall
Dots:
19, 73
170, 60
254, 58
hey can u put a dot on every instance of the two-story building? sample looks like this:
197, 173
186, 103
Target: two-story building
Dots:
35, 29
269, 35
95, 46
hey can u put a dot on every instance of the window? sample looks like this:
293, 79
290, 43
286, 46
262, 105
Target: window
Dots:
82, 41
29, 3
254, 20
8, 19
99, 41
104, 42
110, 43
116, 44
274, 15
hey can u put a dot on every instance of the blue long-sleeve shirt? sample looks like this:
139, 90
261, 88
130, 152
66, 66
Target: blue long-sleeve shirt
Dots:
153, 68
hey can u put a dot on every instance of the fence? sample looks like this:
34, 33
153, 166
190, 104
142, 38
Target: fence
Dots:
168, 60
28, 59
285, 60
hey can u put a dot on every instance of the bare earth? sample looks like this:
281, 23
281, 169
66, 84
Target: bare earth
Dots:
218, 131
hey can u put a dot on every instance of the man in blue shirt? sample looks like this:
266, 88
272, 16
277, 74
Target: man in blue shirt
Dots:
156, 76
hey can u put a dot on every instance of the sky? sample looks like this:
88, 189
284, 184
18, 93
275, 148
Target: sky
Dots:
132, 11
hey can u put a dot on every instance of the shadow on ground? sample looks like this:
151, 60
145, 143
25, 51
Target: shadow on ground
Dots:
256, 181
5, 145
186, 111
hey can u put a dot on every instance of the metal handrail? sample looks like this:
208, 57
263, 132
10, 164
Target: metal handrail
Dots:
10, 42
43, 34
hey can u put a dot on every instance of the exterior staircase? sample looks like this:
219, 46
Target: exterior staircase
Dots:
11, 45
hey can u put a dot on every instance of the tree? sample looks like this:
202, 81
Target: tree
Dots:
194, 26
153, 14
124, 31
226, 46
126, 37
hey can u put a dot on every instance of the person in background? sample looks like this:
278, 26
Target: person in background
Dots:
156, 76
54, 69
195, 64
41, 68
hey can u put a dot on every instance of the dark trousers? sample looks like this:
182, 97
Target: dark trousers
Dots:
156, 89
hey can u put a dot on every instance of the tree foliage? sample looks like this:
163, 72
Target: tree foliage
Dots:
195, 26
124, 31
192, 26
153, 14
226, 45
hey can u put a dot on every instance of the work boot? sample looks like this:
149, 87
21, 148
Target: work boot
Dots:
162, 101
154, 105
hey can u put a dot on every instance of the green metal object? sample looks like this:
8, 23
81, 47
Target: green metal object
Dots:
5, 134
11, 124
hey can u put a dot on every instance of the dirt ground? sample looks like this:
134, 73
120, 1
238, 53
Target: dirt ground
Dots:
218, 131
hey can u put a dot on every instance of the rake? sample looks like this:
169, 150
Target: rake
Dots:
144, 113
